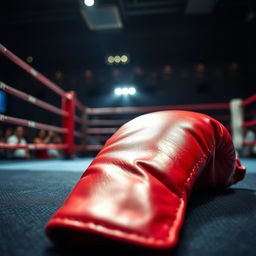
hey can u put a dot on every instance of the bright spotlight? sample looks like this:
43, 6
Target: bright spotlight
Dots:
126, 91
111, 59
118, 91
132, 90
124, 58
117, 59
89, 3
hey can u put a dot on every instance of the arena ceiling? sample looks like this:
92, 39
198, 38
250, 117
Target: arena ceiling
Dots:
56, 34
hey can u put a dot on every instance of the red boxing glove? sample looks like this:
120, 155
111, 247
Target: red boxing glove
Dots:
136, 189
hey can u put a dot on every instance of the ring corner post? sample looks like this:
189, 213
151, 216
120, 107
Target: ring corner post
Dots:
68, 122
237, 118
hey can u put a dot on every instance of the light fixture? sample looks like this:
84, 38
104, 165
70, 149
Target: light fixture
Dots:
111, 59
118, 91
132, 90
124, 58
29, 59
117, 59
125, 91
58, 75
89, 3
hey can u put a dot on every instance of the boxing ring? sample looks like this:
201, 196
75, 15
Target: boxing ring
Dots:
216, 223
98, 124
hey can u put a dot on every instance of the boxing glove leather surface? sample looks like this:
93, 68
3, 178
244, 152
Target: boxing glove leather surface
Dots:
136, 189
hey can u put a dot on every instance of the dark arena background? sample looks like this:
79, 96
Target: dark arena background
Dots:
73, 71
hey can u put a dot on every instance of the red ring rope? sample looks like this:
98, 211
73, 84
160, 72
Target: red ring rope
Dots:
33, 146
129, 110
249, 143
99, 137
44, 80
79, 105
94, 147
101, 130
31, 124
249, 123
106, 122
33, 100
249, 100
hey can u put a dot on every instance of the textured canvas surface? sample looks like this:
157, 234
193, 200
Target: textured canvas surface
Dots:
219, 222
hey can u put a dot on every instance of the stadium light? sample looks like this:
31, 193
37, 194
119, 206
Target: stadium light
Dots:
125, 91
124, 58
132, 90
118, 91
117, 59
111, 59
89, 3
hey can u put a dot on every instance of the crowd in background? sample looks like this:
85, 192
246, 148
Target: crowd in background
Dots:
23, 137
249, 136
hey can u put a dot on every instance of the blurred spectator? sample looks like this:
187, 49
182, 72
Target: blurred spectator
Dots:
7, 134
249, 150
139, 77
17, 138
42, 138
1, 135
4, 135
55, 153
167, 73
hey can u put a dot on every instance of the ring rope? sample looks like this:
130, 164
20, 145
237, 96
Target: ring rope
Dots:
79, 147
121, 122
107, 122
44, 80
101, 130
31, 124
249, 143
33, 146
31, 99
80, 106
39, 146
249, 123
78, 134
99, 137
93, 147
249, 100
130, 110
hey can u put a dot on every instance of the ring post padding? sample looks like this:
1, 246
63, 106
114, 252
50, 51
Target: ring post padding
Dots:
68, 105
237, 122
